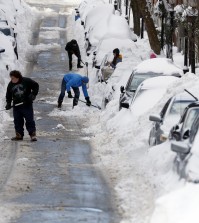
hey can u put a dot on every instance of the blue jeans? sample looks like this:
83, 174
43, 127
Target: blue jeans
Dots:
63, 89
24, 112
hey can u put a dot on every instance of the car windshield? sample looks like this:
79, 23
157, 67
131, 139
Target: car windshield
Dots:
178, 107
191, 116
137, 79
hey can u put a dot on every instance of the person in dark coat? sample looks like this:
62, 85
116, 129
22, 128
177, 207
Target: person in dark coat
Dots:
117, 58
22, 91
73, 48
74, 81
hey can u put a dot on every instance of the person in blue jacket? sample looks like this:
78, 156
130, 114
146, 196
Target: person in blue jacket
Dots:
74, 81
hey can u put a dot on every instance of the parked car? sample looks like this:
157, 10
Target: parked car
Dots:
186, 162
104, 54
95, 8
149, 93
181, 131
168, 117
113, 26
147, 69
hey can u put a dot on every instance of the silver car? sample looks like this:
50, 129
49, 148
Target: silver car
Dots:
168, 117
187, 156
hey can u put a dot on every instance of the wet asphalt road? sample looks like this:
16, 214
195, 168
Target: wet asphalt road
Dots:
54, 179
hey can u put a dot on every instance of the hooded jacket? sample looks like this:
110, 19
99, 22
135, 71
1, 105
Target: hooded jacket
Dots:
116, 60
72, 47
20, 91
76, 80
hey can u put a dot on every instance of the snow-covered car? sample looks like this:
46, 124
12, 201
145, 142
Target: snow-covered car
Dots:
181, 131
104, 54
101, 11
147, 69
88, 6
113, 26
168, 117
149, 93
186, 162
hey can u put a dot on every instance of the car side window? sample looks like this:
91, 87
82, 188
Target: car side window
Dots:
190, 117
194, 130
162, 113
129, 81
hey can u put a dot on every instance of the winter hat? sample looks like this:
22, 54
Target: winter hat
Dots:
116, 51
74, 41
85, 79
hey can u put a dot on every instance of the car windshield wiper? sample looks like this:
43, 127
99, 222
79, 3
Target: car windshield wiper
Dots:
191, 94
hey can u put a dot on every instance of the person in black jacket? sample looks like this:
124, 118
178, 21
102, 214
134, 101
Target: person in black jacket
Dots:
22, 91
73, 48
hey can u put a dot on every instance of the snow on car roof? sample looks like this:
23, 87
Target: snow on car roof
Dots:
87, 6
95, 15
150, 92
113, 27
158, 82
158, 65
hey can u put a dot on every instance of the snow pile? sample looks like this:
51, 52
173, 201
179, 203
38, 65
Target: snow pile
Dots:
121, 139
139, 174
178, 206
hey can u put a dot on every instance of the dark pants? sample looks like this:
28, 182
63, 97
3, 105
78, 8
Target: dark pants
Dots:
63, 89
71, 58
24, 112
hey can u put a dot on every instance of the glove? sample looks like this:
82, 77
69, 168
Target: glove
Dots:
75, 102
31, 97
8, 106
88, 102
69, 94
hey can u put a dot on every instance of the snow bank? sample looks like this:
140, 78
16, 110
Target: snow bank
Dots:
178, 206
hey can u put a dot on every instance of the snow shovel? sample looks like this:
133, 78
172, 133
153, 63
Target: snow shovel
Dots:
12, 106
95, 106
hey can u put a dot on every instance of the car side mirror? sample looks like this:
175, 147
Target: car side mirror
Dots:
186, 134
180, 147
155, 118
97, 67
176, 127
125, 105
174, 133
122, 89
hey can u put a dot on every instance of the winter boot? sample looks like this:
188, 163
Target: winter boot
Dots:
79, 66
59, 104
70, 66
33, 137
18, 137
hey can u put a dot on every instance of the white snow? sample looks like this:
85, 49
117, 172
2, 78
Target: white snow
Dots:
158, 65
138, 174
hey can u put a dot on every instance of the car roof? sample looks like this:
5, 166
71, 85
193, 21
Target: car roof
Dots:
194, 104
190, 106
158, 65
